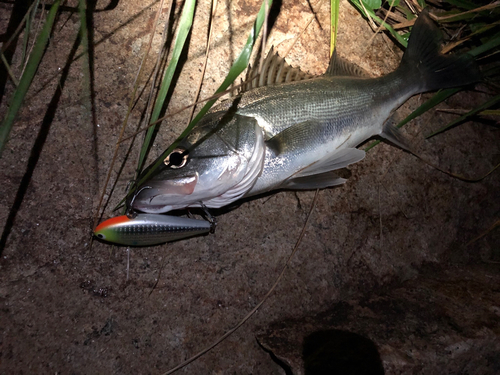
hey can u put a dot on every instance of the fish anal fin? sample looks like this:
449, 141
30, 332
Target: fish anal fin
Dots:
394, 136
318, 181
340, 67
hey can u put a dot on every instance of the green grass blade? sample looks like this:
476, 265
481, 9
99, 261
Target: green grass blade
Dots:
26, 79
9, 70
185, 24
490, 44
27, 29
237, 68
490, 112
439, 97
334, 23
488, 104
370, 13
29, 18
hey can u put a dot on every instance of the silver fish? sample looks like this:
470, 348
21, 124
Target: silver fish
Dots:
295, 135
148, 229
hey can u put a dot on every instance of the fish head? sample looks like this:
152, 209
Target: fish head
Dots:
217, 163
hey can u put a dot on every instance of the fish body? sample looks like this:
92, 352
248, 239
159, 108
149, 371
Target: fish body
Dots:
332, 115
149, 229
296, 135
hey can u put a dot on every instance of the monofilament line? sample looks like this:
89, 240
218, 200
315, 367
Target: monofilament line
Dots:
254, 310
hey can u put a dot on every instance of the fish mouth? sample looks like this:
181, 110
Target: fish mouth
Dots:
157, 196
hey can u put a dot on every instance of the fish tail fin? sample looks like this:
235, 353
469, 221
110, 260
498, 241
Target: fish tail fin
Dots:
430, 68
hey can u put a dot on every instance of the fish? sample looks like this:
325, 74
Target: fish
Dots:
150, 229
296, 135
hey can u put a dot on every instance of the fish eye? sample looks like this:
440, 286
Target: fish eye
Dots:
177, 158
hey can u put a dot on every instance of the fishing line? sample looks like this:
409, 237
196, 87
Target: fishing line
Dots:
211, 17
460, 177
254, 310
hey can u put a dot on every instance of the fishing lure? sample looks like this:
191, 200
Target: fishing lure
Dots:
151, 229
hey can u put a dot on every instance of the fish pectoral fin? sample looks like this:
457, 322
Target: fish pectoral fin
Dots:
318, 181
394, 135
321, 174
298, 136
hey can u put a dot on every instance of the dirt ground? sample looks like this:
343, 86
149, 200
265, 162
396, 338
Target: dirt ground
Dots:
387, 257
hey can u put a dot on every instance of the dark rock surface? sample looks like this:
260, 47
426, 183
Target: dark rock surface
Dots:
445, 321
70, 305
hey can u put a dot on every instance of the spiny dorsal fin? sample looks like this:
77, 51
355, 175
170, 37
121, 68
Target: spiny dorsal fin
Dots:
340, 67
275, 70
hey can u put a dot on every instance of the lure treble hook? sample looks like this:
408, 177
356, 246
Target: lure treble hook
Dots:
211, 219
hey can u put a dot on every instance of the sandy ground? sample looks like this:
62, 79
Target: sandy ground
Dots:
70, 305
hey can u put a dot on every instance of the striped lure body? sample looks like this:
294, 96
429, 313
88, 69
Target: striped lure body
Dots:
150, 229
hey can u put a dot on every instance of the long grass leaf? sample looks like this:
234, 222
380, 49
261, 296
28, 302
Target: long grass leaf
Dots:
16, 32
184, 27
488, 104
26, 36
30, 19
26, 79
9, 70
369, 13
490, 44
334, 23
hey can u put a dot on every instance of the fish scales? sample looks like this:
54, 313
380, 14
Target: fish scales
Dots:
337, 100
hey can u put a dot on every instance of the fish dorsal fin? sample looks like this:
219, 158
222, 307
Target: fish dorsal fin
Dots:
275, 70
340, 67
